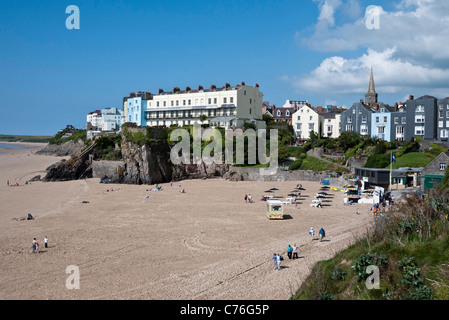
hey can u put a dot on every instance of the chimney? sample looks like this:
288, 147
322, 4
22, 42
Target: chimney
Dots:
361, 100
188, 89
319, 109
257, 85
200, 88
376, 107
242, 84
396, 107
411, 97
160, 91
227, 85
176, 90
213, 87
132, 95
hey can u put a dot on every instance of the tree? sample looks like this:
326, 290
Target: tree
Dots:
203, 118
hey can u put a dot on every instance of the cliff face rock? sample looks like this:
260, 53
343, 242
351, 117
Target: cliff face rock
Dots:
150, 164
147, 164
68, 148
66, 170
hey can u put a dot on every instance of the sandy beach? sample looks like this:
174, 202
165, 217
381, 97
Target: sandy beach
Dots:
206, 243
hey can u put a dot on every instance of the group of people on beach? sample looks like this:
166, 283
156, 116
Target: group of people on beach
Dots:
36, 244
248, 198
292, 251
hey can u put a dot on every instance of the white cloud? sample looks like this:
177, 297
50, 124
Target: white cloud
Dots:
409, 52
350, 76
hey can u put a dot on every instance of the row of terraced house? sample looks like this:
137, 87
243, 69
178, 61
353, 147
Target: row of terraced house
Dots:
232, 106
426, 117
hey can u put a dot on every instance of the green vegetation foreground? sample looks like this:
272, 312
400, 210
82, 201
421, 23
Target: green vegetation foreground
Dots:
409, 245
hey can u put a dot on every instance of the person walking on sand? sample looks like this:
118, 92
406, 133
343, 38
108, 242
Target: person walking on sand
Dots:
322, 234
34, 245
295, 252
275, 260
46, 242
311, 232
289, 251
246, 198
250, 199
278, 261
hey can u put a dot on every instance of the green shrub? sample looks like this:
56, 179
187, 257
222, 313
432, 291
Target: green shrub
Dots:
365, 260
378, 161
295, 165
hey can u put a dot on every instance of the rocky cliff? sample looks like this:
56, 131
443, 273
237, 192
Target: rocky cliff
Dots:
142, 163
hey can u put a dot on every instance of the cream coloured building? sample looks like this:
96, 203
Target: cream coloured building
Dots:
323, 121
305, 120
228, 106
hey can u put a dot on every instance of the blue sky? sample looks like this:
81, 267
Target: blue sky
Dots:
315, 50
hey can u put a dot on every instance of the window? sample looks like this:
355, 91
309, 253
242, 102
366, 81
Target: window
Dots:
349, 120
231, 99
287, 113
209, 101
177, 102
353, 111
399, 130
444, 133
298, 126
157, 104
377, 119
364, 119
385, 119
349, 127
250, 110
419, 108
299, 118
310, 118
382, 110
311, 126
447, 114
440, 124
165, 103
363, 130
443, 166
279, 113
420, 119
440, 114
215, 100
381, 130
396, 120
189, 102
403, 120
419, 131
172, 103
224, 100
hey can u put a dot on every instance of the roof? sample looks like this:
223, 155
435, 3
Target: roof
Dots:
426, 97
274, 202
283, 112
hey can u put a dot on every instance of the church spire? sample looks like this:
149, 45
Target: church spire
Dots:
371, 95
371, 88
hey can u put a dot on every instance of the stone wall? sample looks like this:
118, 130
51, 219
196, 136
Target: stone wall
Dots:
253, 174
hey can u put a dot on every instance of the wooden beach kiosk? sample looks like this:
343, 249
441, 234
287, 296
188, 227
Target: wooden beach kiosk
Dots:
275, 210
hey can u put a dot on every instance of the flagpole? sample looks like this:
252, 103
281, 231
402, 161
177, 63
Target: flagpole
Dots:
391, 167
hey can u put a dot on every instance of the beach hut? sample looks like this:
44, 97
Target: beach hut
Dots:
275, 210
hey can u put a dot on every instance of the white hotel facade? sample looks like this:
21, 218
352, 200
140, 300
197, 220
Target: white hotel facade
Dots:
228, 106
